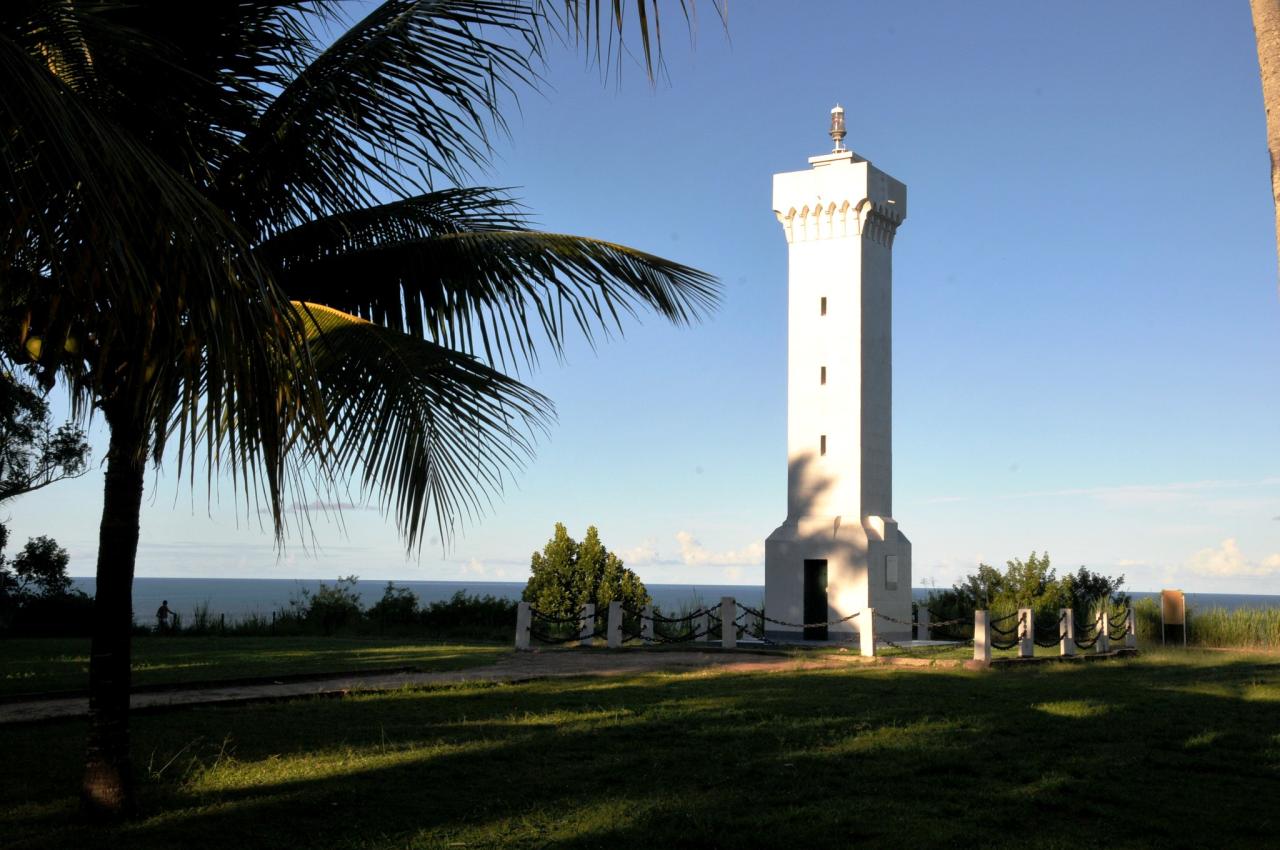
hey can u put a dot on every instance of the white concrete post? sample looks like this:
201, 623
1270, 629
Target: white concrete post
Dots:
922, 623
586, 635
646, 624
728, 623
615, 624
982, 636
1104, 631
867, 631
1067, 631
524, 623
1026, 633
702, 625
1131, 633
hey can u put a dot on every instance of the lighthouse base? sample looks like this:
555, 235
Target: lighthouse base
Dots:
865, 565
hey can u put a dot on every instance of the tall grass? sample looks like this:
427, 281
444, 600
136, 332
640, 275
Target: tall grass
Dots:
1249, 628
684, 615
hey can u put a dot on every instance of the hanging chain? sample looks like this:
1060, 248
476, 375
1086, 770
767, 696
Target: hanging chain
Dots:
551, 618
762, 616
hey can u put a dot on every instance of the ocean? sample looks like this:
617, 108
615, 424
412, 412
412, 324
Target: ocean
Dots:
237, 598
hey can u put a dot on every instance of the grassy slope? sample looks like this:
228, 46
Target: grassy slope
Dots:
1167, 750
28, 665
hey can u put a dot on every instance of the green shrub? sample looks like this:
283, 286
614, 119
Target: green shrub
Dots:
68, 615
330, 608
1033, 584
464, 617
37, 597
397, 607
567, 575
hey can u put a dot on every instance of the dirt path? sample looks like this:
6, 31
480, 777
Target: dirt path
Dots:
517, 667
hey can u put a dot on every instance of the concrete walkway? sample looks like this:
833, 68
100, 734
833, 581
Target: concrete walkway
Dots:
517, 667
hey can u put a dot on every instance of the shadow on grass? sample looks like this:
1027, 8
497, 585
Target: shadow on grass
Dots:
1053, 756
61, 664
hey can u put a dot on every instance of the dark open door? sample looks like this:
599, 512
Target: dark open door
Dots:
815, 599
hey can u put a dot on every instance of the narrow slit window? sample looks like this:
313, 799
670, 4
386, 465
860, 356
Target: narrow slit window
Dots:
822, 306
822, 444
822, 376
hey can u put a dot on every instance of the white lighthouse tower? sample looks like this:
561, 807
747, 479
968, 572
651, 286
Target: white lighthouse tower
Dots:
839, 550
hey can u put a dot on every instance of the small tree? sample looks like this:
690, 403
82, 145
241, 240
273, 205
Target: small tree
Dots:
36, 594
1030, 583
331, 608
397, 607
41, 568
1085, 587
33, 453
567, 574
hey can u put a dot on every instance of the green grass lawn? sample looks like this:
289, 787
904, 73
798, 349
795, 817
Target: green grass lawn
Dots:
1167, 750
55, 664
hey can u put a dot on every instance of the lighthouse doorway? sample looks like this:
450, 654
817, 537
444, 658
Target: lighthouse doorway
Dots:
815, 599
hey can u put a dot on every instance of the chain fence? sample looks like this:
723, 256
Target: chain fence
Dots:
1016, 631
551, 618
659, 639
1056, 634
658, 618
706, 623
828, 623
1087, 644
1124, 631
555, 620
913, 651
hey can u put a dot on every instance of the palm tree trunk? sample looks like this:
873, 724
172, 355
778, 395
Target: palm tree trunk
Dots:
107, 791
1266, 30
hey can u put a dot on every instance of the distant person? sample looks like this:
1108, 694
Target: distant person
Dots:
162, 617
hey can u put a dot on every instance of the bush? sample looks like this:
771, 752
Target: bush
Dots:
336, 608
567, 575
397, 607
330, 608
462, 616
1032, 583
37, 596
66, 615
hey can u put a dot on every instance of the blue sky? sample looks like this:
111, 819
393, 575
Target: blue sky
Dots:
1086, 320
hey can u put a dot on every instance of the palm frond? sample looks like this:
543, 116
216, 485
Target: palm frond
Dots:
604, 31
500, 294
409, 90
418, 217
136, 283
424, 428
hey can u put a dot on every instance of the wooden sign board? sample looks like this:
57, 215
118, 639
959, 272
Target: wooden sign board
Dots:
1173, 608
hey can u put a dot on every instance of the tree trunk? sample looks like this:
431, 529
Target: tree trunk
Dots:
1266, 31
107, 791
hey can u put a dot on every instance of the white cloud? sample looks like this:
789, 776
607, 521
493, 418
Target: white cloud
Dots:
474, 567
1227, 560
694, 554
644, 554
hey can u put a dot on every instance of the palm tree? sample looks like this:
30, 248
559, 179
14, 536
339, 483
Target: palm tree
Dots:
220, 234
1266, 29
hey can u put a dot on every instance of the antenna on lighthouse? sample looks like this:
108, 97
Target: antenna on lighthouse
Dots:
837, 128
